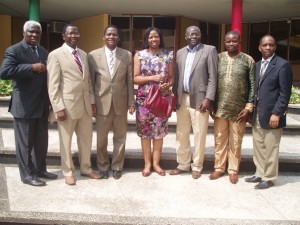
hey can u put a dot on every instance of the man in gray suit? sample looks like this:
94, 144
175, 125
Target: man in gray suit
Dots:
72, 98
25, 64
111, 72
195, 85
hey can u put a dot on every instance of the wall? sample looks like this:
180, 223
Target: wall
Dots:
17, 29
5, 37
91, 31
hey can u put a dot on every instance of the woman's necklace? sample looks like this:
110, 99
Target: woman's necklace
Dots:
155, 52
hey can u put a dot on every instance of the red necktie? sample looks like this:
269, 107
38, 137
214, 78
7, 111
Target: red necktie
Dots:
75, 53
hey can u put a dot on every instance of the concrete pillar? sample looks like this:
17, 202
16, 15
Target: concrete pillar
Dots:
34, 10
237, 17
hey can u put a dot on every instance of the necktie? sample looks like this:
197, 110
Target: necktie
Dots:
75, 53
263, 68
34, 49
111, 62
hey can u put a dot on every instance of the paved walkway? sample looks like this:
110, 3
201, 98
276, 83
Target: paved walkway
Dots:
134, 199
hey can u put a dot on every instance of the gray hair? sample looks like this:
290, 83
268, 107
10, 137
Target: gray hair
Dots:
31, 23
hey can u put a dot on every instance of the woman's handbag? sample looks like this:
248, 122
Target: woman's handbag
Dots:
161, 105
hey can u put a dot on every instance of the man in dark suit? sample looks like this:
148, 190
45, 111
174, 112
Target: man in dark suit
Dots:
272, 94
195, 85
25, 64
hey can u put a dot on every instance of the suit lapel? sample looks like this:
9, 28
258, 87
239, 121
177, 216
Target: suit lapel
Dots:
103, 62
184, 55
31, 55
69, 58
197, 57
83, 61
270, 67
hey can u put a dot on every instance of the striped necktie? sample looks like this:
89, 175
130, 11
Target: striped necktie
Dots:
263, 68
111, 62
75, 53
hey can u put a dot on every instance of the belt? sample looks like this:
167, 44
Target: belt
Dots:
186, 92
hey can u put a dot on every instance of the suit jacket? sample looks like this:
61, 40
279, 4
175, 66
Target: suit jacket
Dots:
273, 91
203, 79
69, 89
30, 96
116, 89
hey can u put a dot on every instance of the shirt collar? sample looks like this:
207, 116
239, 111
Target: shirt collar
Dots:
268, 59
71, 49
107, 51
192, 50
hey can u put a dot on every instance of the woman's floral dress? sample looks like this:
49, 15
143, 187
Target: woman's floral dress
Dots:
148, 125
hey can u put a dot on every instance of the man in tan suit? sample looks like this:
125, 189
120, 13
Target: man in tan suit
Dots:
195, 85
111, 73
72, 99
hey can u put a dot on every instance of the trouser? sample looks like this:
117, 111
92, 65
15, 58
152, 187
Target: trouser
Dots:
188, 117
228, 143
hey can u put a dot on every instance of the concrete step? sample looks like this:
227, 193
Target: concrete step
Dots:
293, 119
289, 150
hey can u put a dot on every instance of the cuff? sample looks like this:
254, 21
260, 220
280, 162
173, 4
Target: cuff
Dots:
250, 107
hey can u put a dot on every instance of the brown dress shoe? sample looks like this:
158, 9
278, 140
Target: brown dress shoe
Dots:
215, 175
196, 174
70, 180
92, 175
176, 171
233, 177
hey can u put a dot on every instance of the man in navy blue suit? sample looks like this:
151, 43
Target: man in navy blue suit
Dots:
272, 94
25, 64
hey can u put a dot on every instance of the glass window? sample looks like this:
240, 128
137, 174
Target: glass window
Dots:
123, 24
167, 26
140, 24
214, 35
280, 31
257, 30
204, 32
295, 41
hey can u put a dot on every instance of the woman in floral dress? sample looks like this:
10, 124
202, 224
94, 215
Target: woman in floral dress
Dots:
152, 66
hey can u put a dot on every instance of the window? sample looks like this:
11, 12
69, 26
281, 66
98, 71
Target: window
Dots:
295, 41
132, 30
167, 26
123, 24
140, 24
257, 30
280, 31
214, 35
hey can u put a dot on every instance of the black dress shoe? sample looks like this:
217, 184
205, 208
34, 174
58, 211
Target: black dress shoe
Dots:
48, 175
117, 174
253, 179
264, 185
104, 174
34, 181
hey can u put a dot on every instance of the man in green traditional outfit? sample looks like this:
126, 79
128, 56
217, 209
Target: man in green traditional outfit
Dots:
233, 105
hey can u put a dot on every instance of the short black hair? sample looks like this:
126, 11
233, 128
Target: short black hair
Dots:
147, 33
266, 35
233, 32
111, 26
69, 25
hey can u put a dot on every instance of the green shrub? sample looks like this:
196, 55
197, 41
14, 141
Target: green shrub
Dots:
5, 87
295, 98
